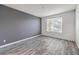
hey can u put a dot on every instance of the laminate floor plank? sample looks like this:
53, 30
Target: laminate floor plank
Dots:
44, 45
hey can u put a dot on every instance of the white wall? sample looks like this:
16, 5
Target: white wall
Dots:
77, 25
68, 26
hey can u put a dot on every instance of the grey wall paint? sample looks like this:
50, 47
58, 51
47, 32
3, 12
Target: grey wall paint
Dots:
16, 25
77, 25
68, 26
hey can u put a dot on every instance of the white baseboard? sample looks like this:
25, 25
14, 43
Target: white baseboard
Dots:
18, 41
56, 37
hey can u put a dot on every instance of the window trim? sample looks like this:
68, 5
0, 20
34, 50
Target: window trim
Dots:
48, 29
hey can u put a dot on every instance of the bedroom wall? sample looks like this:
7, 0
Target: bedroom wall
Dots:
16, 25
77, 25
68, 26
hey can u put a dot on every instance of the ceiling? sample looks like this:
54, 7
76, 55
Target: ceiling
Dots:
42, 10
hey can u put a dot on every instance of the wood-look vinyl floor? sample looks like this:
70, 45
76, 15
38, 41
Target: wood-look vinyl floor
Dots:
43, 45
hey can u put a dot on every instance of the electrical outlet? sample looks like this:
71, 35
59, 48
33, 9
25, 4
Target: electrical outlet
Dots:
4, 41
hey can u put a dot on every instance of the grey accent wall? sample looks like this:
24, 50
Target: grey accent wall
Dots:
68, 26
16, 25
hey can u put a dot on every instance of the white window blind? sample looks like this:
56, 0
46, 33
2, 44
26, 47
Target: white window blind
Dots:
54, 24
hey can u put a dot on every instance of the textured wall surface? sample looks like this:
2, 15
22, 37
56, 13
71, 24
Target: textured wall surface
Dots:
16, 25
68, 26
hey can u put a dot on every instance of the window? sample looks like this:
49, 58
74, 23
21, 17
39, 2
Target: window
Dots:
54, 24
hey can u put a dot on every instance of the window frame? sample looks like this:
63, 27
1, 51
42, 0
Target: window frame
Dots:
49, 25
